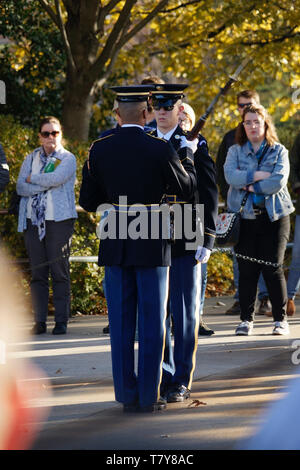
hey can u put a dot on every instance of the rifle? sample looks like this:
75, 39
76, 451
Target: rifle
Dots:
193, 133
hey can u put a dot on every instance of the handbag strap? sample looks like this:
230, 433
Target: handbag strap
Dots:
263, 154
244, 201
258, 163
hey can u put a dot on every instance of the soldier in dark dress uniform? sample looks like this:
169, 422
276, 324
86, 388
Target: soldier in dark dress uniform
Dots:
133, 165
4, 170
185, 272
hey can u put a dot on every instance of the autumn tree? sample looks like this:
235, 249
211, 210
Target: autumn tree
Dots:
216, 37
197, 41
93, 34
31, 62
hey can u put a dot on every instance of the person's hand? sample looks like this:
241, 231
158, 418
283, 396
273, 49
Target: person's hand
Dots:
28, 180
261, 175
249, 188
202, 254
192, 144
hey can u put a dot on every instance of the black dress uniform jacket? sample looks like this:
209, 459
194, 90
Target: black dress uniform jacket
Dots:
228, 141
4, 171
207, 191
143, 168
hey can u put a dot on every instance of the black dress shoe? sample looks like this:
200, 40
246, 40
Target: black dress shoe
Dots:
106, 329
60, 328
132, 408
160, 405
204, 330
235, 309
178, 393
265, 307
39, 328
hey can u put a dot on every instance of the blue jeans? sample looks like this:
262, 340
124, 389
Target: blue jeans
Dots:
262, 288
293, 283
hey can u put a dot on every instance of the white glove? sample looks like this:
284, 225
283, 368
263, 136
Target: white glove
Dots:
192, 144
202, 254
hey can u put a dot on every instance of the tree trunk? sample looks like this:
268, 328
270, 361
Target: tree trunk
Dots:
77, 109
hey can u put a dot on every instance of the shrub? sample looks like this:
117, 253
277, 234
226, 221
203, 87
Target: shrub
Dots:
219, 274
86, 278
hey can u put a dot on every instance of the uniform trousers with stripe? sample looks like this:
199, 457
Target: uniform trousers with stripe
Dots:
132, 292
184, 294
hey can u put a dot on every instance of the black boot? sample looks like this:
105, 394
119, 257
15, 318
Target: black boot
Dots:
60, 328
204, 330
39, 328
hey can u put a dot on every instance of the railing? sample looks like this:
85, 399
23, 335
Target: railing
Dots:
94, 259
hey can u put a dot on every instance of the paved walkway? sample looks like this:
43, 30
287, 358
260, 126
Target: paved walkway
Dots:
234, 381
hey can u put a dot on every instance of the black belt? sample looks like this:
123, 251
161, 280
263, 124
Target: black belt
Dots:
136, 207
259, 211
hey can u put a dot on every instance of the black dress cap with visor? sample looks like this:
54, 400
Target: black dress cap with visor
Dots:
132, 94
165, 95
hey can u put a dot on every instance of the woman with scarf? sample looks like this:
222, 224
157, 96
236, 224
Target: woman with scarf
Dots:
46, 216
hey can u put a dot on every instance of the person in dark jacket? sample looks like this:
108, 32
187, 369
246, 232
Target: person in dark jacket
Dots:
132, 166
4, 170
185, 272
293, 283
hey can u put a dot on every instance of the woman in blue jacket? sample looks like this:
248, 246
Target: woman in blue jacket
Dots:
46, 216
259, 166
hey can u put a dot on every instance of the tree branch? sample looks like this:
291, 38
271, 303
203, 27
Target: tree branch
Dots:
273, 40
112, 41
118, 37
144, 22
65, 37
45, 5
183, 5
103, 12
210, 35
111, 5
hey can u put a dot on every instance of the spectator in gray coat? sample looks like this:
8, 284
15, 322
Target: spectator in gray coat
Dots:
46, 216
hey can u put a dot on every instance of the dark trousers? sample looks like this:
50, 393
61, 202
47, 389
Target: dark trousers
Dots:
133, 291
264, 240
50, 255
185, 290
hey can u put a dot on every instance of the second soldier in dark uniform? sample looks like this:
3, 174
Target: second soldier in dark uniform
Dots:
185, 272
143, 168
4, 170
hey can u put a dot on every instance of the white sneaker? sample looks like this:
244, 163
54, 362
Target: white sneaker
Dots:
281, 328
244, 329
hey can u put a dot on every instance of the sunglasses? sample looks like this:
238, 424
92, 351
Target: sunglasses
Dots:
47, 134
243, 105
157, 107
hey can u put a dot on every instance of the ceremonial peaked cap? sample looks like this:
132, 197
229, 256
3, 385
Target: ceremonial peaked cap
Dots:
167, 92
131, 94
